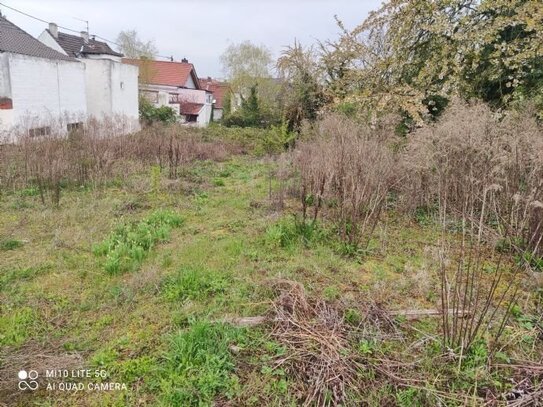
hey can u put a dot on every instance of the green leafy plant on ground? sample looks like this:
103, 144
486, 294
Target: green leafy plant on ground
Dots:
288, 232
199, 365
193, 283
130, 243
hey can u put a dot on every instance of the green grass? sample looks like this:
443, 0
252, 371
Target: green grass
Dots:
17, 326
194, 283
199, 365
126, 248
10, 244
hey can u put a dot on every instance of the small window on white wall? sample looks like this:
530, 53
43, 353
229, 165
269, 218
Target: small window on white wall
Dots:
122, 85
39, 131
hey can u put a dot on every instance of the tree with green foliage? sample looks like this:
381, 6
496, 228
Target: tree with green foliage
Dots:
247, 65
413, 55
250, 114
303, 94
227, 104
251, 108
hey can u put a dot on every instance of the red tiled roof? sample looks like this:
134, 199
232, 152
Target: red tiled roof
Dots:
190, 108
165, 72
218, 89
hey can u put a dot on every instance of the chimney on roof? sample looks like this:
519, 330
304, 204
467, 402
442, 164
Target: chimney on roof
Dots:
185, 60
85, 36
53, 29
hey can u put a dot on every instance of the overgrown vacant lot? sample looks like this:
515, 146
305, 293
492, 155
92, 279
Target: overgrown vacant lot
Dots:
207, 289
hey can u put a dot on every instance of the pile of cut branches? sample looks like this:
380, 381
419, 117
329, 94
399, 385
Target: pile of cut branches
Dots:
318, 353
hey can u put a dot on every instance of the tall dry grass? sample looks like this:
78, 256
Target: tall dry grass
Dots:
98, 152
483, 175
481, 170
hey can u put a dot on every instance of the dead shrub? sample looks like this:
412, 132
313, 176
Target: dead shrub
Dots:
485, 170
346, 172
478, 290
99, 152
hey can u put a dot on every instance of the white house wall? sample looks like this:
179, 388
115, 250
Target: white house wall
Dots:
98, 87
217, 114
162, 94
199, 96
45, 90
125, 90
192, 95
112, 90
190, 83
185, 95
205, 115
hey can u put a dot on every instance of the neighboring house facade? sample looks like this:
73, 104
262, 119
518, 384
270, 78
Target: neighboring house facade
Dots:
111, 85
219, 90
175, 84
40, 88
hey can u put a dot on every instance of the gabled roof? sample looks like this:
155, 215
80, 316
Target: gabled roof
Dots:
74, 45
165, 72
15, 40
219, 89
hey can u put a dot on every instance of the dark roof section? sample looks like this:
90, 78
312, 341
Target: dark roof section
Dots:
74, 45
17, 41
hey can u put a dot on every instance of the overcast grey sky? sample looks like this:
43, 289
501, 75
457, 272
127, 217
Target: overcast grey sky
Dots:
198, 30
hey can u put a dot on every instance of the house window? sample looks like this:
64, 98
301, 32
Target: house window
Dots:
122, 85
74, 126
191, 118
39, 131
174, 98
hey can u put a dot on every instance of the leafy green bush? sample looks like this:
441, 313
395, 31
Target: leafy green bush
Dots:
150, 114
251, 113
199, 365
277, 140
129, 244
